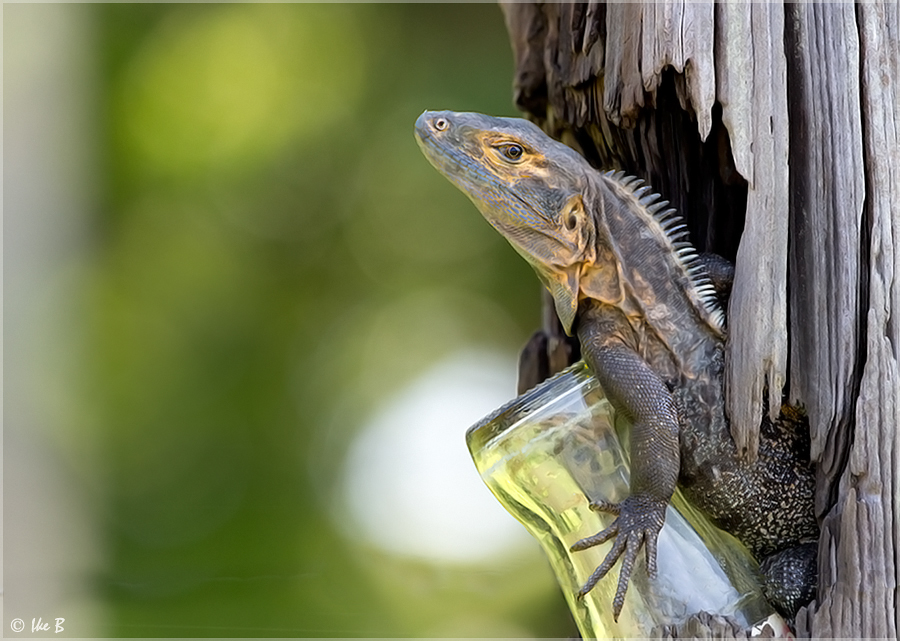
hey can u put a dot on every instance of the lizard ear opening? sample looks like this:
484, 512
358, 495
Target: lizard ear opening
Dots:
573, 213
578, 229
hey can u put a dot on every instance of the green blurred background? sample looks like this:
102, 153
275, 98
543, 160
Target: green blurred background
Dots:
246, 326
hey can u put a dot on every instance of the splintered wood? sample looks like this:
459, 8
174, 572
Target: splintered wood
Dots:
775, 130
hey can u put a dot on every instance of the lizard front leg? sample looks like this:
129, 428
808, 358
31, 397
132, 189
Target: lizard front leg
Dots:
637, 392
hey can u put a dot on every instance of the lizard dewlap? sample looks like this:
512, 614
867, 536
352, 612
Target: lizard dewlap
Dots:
627, 282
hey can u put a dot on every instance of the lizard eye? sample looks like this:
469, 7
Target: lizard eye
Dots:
512, 151
440, 124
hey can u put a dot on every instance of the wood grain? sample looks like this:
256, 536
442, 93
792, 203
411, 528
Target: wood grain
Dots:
858, 550
827, 187
775, 129
756, 355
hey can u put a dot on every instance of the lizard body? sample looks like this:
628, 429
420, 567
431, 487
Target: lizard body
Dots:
627, 282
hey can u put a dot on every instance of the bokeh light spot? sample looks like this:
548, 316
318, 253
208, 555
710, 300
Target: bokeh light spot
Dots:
410, 484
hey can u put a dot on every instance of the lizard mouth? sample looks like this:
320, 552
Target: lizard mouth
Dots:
443, 142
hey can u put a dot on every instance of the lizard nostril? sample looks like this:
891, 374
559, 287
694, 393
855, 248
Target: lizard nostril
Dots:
441, 124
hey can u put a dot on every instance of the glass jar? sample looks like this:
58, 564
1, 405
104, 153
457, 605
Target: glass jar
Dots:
547, 454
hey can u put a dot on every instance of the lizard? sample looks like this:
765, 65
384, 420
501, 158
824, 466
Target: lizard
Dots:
645, 309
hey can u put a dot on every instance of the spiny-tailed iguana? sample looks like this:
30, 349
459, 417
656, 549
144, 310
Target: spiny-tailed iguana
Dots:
626, 281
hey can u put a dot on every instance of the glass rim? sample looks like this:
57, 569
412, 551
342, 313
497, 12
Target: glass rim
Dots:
526, 403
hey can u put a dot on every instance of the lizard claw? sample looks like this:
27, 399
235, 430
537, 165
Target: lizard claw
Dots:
639, 521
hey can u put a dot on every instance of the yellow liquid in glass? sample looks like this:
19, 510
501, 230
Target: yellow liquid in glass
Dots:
550, 452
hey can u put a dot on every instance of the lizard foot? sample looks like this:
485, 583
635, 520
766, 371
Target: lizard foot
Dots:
639, 521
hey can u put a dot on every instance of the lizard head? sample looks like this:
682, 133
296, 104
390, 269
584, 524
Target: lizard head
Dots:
526, 185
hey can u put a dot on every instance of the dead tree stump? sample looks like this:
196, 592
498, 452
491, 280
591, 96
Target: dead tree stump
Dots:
775, 130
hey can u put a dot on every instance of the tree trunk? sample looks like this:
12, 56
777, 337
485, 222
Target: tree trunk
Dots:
775, 130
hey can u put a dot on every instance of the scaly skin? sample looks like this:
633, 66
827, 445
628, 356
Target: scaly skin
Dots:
629, 285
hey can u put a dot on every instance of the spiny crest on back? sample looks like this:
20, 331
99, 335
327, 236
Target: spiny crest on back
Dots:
674, 231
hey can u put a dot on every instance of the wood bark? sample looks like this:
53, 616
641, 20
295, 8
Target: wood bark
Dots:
775, 130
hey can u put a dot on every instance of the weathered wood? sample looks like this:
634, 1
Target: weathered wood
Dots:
793, 168
858, 594
705, 626
827, 187
711, 626
750, 39
681, 36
